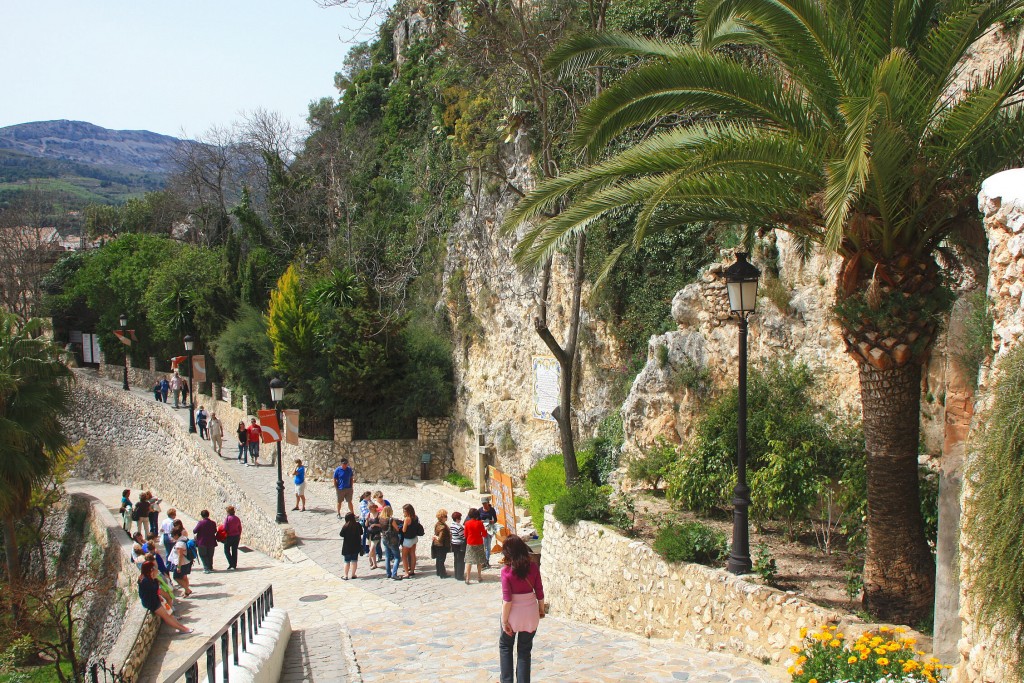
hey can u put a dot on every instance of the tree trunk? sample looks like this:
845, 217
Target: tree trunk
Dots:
899, 572
13, 563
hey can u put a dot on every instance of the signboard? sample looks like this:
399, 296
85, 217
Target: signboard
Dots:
91, 348
546, 379
291, 422
225, 395
503, 501
199, 368
271, 429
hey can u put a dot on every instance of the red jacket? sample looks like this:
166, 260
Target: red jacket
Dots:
475, 532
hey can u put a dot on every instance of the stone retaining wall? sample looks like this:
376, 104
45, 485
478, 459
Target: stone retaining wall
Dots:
384, 460
596, 575
139, 444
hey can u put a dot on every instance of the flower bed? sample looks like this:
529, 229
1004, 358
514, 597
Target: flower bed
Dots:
883, 655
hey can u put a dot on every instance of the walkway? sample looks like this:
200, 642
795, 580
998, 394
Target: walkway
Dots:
419, 629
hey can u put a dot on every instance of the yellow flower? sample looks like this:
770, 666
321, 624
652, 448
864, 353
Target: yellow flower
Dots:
863, 655
851, 660
800, 660
795, 649
880, 650
813, 680
883, 629
834, 643
882, 661
900, 629
910, 665
803, 632
791, 670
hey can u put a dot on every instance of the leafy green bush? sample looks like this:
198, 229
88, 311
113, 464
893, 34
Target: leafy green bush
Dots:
764, 564
794, 444
690, 542
654, 463
607, 447
545, 483
585, 500
974, 343
459, 479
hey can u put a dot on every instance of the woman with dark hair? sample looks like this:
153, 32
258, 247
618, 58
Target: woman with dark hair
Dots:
127, 511
522, 607
411, 532
475, 535
351, 543
141, 514
441, 544
149, 595
243, 440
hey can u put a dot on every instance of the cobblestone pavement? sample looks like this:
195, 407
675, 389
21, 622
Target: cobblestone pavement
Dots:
421, 629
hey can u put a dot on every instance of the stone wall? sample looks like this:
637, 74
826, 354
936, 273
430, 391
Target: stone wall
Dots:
983, 658
383, 460
139, 444
595, 575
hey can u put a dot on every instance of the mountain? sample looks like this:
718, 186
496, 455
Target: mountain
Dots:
138, 151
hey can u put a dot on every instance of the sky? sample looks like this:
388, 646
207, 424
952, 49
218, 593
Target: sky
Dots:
173, 67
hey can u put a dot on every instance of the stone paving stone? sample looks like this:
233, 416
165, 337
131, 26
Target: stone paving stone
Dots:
423, 628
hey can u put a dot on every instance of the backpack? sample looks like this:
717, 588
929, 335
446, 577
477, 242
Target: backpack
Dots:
190, 550
416, 529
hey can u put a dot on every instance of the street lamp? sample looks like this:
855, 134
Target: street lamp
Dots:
124, 324
741, 281
276, 394
189, 344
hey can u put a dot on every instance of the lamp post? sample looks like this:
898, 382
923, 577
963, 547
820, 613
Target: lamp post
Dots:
124, 324
276, 394
481, 457
189, 344
741, 281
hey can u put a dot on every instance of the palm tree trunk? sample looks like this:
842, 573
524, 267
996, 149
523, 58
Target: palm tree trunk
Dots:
13, 563
899, 572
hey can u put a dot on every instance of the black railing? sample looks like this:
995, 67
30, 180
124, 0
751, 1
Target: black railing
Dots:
233, 638
101, 672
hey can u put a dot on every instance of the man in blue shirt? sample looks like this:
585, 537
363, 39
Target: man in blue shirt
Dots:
300, 485
343, 478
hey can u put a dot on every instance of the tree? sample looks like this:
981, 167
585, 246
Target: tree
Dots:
847, 127
35, 390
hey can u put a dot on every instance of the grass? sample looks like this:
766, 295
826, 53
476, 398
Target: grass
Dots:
35, 674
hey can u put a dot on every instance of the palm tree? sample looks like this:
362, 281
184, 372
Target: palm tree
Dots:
846, 123
34, 392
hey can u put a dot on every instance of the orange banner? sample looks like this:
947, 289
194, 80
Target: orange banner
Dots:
502, 498
123, 336
271, 429
177, 360
199, 368
291, 422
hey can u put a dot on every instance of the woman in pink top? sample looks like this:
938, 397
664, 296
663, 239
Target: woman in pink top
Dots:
232, 535
522, 595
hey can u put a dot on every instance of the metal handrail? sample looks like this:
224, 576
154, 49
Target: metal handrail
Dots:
246, 622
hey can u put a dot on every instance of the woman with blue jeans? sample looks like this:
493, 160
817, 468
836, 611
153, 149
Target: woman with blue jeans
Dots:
391, 539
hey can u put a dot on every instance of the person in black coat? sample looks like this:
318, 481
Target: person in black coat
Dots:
351, 545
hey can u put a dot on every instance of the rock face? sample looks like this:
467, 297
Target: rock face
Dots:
491, 304
983, 657
661, 404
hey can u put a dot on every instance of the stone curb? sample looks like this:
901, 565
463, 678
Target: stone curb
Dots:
348, 651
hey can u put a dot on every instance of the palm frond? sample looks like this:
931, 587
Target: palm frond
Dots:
583, 50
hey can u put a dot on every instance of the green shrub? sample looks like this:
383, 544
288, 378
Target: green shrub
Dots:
690, 542
764, 564
17, 653
793, 444
585, 500
622, 514
459, 479
607, 447
545, 483
654, 463
974, 343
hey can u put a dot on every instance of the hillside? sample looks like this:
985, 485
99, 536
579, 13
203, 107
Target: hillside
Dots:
137, 151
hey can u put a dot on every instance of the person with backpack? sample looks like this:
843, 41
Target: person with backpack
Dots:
391, 539
411, 532
183, 554
232, 535
205, 535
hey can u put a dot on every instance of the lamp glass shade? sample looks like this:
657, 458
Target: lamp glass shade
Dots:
124, 320
276, 390
189, 343
741, 281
